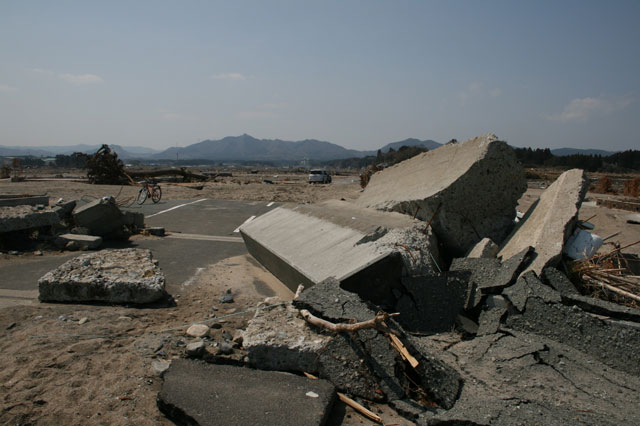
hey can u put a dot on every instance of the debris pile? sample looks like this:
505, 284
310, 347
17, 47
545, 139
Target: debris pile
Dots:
394, 312
30, 222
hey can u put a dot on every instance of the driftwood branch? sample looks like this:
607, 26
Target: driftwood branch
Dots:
359, 408
376, 322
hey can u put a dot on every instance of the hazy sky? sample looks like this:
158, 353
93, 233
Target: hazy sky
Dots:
356, 73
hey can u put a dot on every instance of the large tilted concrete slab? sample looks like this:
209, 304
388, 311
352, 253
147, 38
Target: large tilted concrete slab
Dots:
476, 183
549, 222
197, 393
112, 276
306, 244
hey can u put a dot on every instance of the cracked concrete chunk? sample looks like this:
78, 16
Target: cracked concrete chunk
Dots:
549, 222
101, 217
88, 242
27, 217
476, 183
306, 244
197, 393
112, 276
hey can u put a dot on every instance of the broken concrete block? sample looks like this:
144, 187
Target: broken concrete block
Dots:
474, 186
101, 217
278, 339
485, 248
528, 285
195, 392
361, 364
432, 302
549, 222
88, 242
306, 244
112, 276
27, 217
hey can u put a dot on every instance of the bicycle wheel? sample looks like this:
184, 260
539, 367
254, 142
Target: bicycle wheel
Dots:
142, 196
156, 194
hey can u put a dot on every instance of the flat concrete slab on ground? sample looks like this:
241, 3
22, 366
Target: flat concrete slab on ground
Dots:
195, 392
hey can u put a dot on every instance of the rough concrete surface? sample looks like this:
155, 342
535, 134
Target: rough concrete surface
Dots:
514, 378
203, 394
476, 185
27, 217
549, 222
113, 276
307, 244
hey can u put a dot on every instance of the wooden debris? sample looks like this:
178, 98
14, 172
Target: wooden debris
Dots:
377, 322
359, 408
397, 344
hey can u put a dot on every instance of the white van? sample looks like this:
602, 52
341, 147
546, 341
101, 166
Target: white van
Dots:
319, 176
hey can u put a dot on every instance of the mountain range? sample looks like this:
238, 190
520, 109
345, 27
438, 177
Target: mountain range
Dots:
248, 148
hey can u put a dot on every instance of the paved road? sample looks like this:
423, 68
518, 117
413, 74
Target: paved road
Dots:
200, 233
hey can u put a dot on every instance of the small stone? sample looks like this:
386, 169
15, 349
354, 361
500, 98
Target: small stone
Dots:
158, 231
214, 308
160, 367
238, 337
198, 330
312, 394
39, 317
14, 252
225, 348
83, 320
227, 298
216, 325
62, 318
195, 349
226, 335
231, 311
10, 326
37, 253
124, 318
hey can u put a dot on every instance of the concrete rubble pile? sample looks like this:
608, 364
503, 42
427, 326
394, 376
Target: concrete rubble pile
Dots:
488, 331
65, 225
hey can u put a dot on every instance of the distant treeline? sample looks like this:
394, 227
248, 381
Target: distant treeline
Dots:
618, 162
386, 159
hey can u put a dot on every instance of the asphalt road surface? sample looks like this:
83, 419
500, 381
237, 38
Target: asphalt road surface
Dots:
200, 232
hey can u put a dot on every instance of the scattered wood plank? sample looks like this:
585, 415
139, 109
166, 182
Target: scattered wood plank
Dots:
397, 344
377, 322
360, 408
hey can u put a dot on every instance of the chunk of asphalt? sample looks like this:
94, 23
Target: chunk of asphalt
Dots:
558, 281
613, 343
432, 302
331, 302
602, 307
489, 320
527, 286
522, 378
197, 393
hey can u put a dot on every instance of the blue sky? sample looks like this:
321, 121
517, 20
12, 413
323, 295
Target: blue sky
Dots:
356, 73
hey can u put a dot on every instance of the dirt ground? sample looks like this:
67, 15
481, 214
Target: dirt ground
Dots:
58, 371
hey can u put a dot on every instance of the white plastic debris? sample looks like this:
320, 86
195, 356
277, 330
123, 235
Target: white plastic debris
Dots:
582, 244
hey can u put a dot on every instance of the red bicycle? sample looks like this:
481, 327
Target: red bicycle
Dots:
149, 189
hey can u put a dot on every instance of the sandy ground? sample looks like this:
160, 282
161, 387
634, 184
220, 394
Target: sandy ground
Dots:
57, 371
